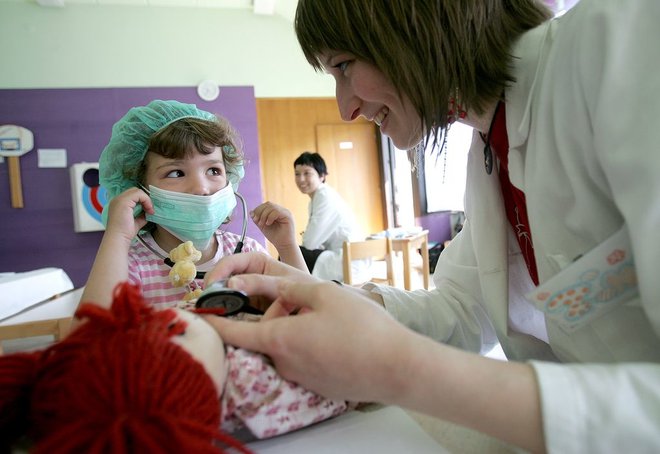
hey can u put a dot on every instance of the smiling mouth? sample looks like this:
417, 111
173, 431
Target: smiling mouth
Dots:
380, 116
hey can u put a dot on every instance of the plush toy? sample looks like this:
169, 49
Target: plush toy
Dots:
185, 252
184, 270
183, 273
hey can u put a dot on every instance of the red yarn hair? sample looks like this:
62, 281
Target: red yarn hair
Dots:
116, 384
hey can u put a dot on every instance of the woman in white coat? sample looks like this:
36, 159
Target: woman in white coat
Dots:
558, 258
330, 223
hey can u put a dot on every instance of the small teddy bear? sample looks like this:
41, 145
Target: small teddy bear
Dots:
184, 270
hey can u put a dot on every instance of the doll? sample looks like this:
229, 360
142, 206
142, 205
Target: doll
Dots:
136, 379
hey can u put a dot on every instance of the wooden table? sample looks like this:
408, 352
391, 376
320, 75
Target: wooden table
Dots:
411, 243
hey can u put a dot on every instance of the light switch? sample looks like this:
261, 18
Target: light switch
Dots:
51, 158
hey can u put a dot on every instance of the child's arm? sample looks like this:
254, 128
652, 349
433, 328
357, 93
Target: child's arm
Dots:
276, 223
111, 264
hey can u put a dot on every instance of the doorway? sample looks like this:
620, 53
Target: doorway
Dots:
289, 126
351, 154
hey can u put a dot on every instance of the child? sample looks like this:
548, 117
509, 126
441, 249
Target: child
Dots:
170, 171
136, 379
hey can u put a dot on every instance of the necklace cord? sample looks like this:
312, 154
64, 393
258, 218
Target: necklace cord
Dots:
488, 153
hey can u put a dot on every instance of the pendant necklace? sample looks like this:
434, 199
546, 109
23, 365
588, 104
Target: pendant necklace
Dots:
488, 152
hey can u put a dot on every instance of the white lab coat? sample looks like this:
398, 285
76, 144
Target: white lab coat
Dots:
582, 120
330, 223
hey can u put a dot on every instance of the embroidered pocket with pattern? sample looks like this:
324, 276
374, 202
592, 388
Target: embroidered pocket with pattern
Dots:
593, 285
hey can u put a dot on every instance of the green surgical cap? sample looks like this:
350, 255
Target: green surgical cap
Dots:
122, 157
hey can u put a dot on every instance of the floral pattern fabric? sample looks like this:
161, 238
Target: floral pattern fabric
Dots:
257, 397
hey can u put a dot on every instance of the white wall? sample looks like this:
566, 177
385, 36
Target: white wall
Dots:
120, 46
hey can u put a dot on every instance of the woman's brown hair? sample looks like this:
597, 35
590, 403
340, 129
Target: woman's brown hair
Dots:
430, 49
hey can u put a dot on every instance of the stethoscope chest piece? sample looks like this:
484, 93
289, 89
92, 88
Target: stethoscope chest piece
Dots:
224, 300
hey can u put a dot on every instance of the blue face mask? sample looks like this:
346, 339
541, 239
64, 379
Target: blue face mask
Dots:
191, 217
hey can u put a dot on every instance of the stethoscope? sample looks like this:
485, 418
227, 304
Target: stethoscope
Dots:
217, 298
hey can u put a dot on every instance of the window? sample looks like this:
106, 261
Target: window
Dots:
442, 175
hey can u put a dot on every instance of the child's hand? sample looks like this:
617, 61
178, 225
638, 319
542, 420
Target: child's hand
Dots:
276, 223
121, 220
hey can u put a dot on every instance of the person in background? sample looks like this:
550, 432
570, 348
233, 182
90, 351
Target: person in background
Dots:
558, 256
170, 171
132, 378
330, 222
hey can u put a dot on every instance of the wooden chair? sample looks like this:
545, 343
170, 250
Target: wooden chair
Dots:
377, 249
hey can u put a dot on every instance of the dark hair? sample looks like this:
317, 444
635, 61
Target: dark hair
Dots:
313, 160
190, 135
431, 50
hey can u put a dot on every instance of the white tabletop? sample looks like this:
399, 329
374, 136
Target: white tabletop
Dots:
62, 306
381, 430
19, 291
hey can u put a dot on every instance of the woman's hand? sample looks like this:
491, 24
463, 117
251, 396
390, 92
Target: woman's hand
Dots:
262, 268
340, 345
343, 345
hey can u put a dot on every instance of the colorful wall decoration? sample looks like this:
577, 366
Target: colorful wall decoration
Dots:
87, 197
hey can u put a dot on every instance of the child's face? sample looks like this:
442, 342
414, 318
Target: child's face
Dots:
205, 345
198, 174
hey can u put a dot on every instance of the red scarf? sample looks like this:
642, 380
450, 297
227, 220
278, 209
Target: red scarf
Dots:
514, 198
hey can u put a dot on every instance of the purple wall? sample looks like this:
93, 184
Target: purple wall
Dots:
80, 120
438, 225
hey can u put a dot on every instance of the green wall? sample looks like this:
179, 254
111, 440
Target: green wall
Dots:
81, 46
